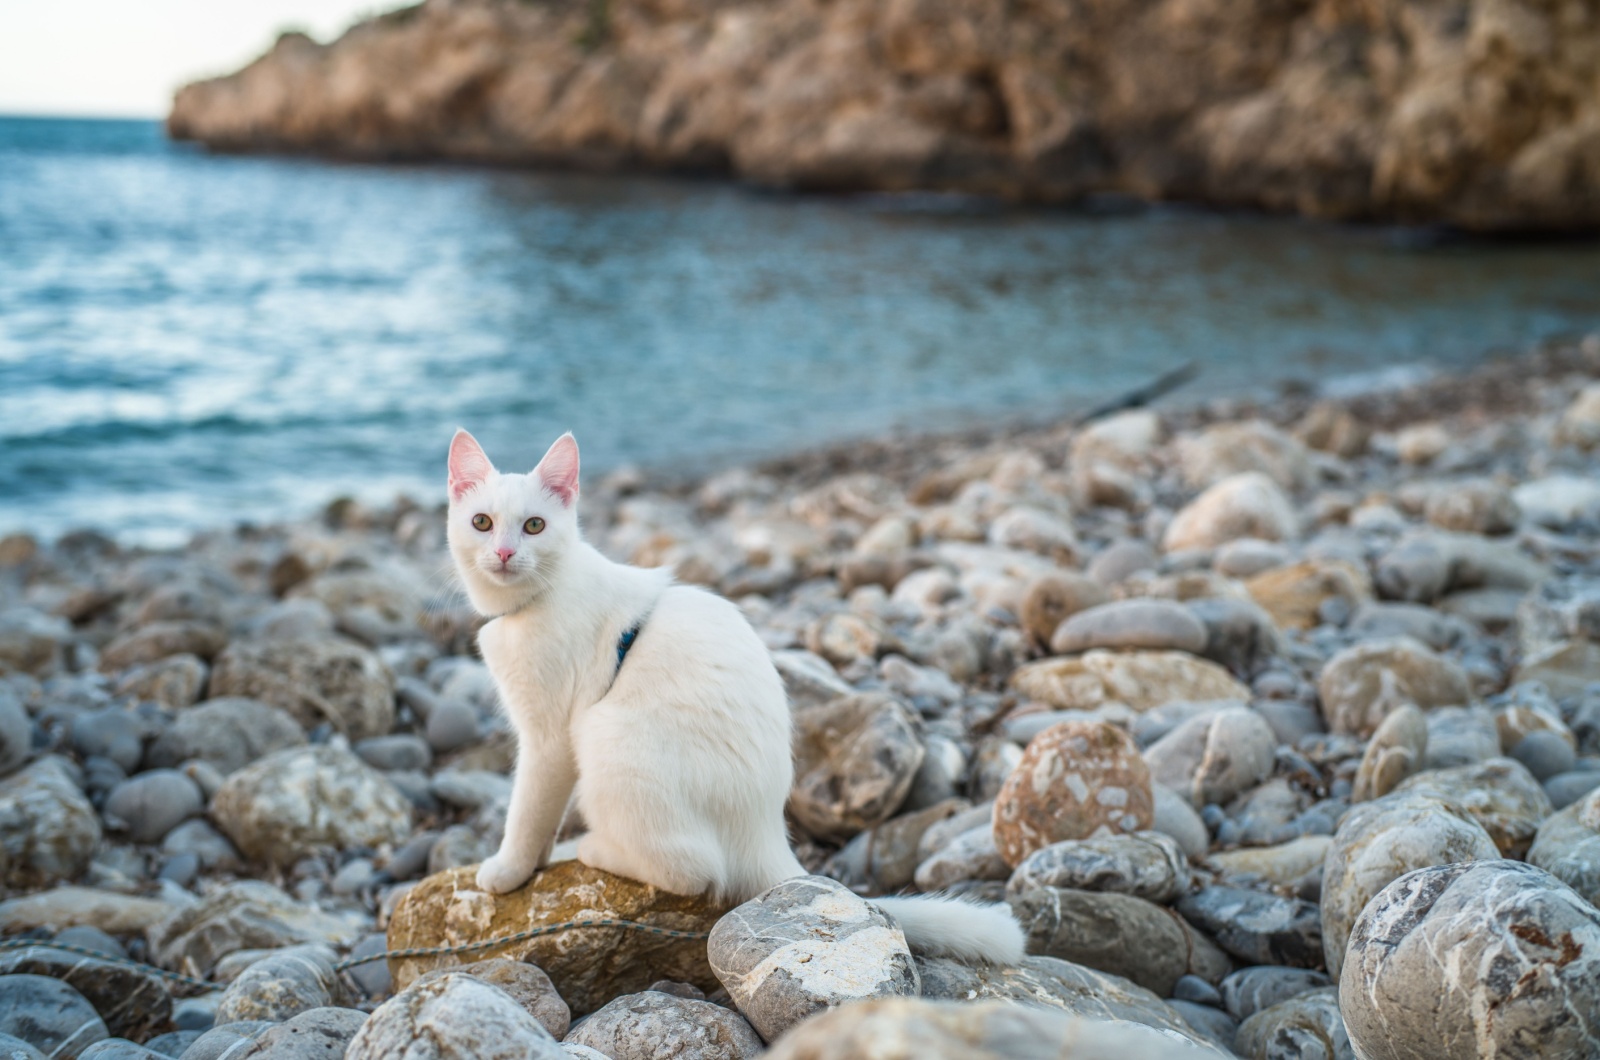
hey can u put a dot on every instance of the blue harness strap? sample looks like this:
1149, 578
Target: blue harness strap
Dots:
625, 642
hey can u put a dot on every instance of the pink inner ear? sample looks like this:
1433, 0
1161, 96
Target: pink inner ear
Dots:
558, 471
468, 464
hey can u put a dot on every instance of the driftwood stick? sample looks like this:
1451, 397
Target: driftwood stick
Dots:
1137, 398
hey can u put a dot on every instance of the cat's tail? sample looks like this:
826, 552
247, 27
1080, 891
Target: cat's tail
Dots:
953, 927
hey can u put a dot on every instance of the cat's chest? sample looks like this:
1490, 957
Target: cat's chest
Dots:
534, 668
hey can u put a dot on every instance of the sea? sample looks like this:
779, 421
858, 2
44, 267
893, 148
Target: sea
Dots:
190, 340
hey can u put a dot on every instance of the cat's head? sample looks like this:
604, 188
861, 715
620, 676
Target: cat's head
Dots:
509, 532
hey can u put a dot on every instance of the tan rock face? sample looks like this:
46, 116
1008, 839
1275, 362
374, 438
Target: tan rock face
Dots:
1294, 595
1488, 119
1136, 679
589, 966
1076, 780
1362, 684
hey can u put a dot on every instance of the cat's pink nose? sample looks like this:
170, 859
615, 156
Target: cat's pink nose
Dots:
505, 555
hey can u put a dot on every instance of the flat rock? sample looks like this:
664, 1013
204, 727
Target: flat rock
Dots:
1148, 865
1567, 846
1157, 625
245, 915
1120, 934
1307, 1027
48, 830
1261, 986
979, 1030
1281, 864
1500, 793
1076, 780
315, 680
1138, 680
130, 1000
589, 966
453, 1017
157, 640
1052, 983
1362, 684
68, 906
972, 855
316, 1034
49, 1015
301, 801
1486, 958
230, 733
1257, 926
855, 759
805, 945
651, 1024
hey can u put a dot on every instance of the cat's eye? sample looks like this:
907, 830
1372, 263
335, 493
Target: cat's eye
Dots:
533, 526
482, 522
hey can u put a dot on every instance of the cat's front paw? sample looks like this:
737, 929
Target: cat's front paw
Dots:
501, 874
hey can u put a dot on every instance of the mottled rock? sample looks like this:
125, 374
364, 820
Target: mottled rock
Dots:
1156, 625
49, 1015
1486, 958
1305, 1027
903, 1028
48, 830
130, 1000
589, 966
454, 1017
1256, 926
972, 855
1234, 448
1214, 758
1380, 841
1500, 793
175, 682
1296, 596
65, 907
1121, 560
1053, 599
525, 982
317, 1034
809, 679
855, 759
1148, 865
885, 859
1139, 680
157, 640
1362, 684
229, 733
281, 986
1240, 635
1566, 668
152, 804
1244, 505
322, 680
1282, 864
1049, 982
1251, 990
1567, 846
651, 1024
1396, 751
1076, 780
1120, 934
1459, 736
297, 801
806, 945
245, 915
32, 642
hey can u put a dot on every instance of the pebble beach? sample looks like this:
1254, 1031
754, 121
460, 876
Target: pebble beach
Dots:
1276, 723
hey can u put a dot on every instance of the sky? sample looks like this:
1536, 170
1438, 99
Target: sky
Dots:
121, 58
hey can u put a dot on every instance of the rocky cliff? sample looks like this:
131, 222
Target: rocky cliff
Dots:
1480, 113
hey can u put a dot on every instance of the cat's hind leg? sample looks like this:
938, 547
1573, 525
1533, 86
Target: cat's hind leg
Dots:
680, 871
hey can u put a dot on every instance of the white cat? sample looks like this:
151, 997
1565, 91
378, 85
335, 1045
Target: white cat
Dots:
680, 756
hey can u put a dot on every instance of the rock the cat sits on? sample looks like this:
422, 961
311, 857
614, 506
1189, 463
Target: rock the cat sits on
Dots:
681, 758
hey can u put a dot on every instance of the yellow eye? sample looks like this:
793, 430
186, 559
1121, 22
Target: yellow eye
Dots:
482, 522
533, 526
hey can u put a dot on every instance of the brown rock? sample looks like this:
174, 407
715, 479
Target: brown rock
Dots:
1056, 597
589, 966
1137, 679
327, 679
1076, 780
156, 641
1294, 595
855, 759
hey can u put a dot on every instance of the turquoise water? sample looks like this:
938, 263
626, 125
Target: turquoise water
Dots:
189, 340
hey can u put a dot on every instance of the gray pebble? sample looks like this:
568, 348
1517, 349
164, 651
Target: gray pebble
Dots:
1195, 989
317, 1034
1546, 753
1257, 926
117, 1049
152, 804
1565, 789
398, 751
13, 1048
653, 1024
373, 977
218, 1041
282, 986
16, 733
109, 733
91, 938
1212, 1024
49, 1015
173, 1043
451, 726
1249, 990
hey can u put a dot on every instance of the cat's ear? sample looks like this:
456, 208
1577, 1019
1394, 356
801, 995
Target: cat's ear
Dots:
558, 471
468, 464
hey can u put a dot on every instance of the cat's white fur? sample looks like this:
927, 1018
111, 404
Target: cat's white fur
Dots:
681, 760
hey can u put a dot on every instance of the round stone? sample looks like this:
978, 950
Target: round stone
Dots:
855, 759
229, 733
1499, 793
48, 830
1486, 958
653, 1024
1076, 780
1568, 847
1545, 753
49, 1015
1215, 757
453, 1016
153, 804
1362, 684
1244, 505
315, 680
1139, 680
281, 986
1147, 865
1151, 624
